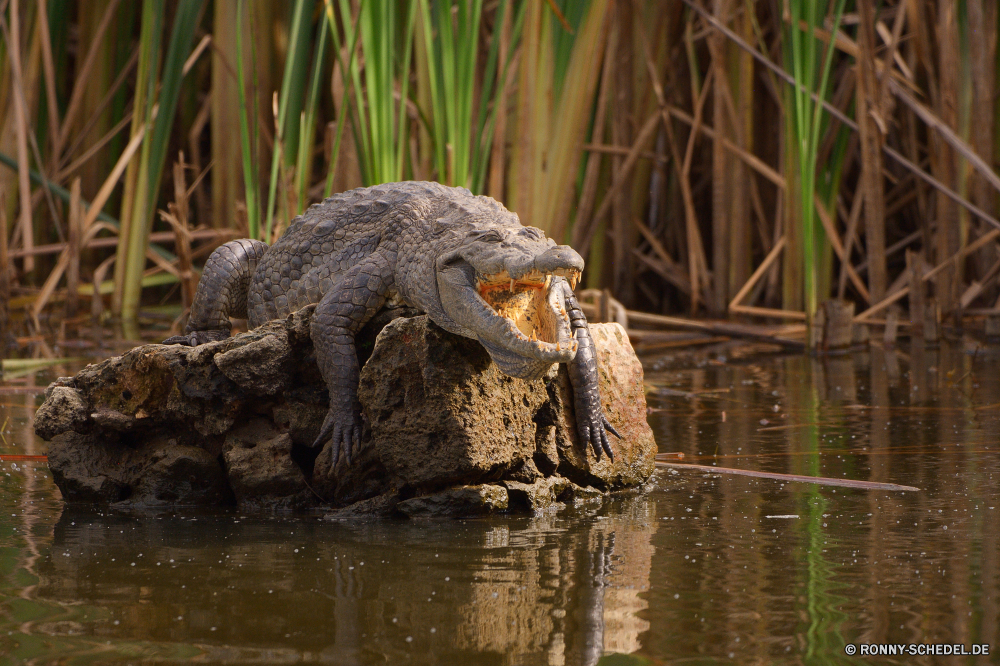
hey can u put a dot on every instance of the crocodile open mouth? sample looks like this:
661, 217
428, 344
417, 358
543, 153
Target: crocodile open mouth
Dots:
526, 302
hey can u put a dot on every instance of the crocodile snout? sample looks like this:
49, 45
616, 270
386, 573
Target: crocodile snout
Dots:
559, 257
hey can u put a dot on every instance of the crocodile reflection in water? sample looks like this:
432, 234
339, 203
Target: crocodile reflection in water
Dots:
529, 589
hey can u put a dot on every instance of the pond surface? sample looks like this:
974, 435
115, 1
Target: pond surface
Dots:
703, 569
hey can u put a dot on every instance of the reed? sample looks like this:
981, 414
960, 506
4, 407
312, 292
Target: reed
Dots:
810, 64
557, 80
701, 169
247, 121
461, 135
154, 149
380, 119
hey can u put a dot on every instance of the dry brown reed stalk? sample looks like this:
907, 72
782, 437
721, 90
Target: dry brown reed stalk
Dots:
747, 157
733, 121
838, 248
90, 225
585, 226
227, 178
982, 61
97, 298
948, 264
48, 67
178, 220
736, 304
4, 274
73, 249
21, 125
872, 124
621, 231
666, 267
82, 77
944, 158
498, 154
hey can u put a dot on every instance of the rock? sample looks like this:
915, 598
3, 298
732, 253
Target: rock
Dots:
234, 420
541, 494
261, 470
81, 470
177, 474
261, 367
99, 469
624, 401
441, 412
381, 506
456, 502
63, 410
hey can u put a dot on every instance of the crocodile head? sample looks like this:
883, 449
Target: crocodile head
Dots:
505, 286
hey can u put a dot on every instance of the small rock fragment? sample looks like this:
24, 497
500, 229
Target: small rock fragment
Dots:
454, 502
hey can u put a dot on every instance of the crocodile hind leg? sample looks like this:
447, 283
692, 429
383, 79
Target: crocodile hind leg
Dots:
222, 292
591, 424
344, 309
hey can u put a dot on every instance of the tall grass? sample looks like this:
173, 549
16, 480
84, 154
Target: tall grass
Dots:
248, 117
810, 64
155, 144
378, 111
462, 137
617, 126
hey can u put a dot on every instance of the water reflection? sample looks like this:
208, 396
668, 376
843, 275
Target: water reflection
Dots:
705, 569
514, 591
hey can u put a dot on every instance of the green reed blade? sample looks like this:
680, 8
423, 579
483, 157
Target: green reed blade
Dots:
348, 85
249, 168
303, 167
155, 144
292, 71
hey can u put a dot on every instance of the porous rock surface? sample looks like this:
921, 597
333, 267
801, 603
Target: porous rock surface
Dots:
231, 422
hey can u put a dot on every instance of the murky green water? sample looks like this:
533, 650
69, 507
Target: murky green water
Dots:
704, 569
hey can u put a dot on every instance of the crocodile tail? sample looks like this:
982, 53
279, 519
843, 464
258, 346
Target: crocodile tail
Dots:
222, 290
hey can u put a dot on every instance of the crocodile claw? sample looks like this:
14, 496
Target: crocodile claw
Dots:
594, 430
343, 428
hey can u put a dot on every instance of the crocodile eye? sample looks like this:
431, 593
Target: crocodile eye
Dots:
491, 236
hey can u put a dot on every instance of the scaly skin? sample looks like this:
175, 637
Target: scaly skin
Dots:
431, 247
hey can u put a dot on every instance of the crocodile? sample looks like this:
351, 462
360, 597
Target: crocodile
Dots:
464, 260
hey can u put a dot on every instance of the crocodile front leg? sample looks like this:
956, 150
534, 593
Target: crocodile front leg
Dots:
338, 318
591, 423
221, 293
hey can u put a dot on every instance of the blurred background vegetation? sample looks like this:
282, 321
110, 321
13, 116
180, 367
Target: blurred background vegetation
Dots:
719, 157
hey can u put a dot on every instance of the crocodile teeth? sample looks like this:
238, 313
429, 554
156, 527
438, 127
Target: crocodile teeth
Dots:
557, 346
512, 284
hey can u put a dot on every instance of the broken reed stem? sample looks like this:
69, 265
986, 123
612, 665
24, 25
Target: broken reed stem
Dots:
771, 257
794, 478
852, 229
180, 210
831, 232
950, 261
847, 121
624, 173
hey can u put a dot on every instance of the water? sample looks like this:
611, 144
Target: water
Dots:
704, 569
